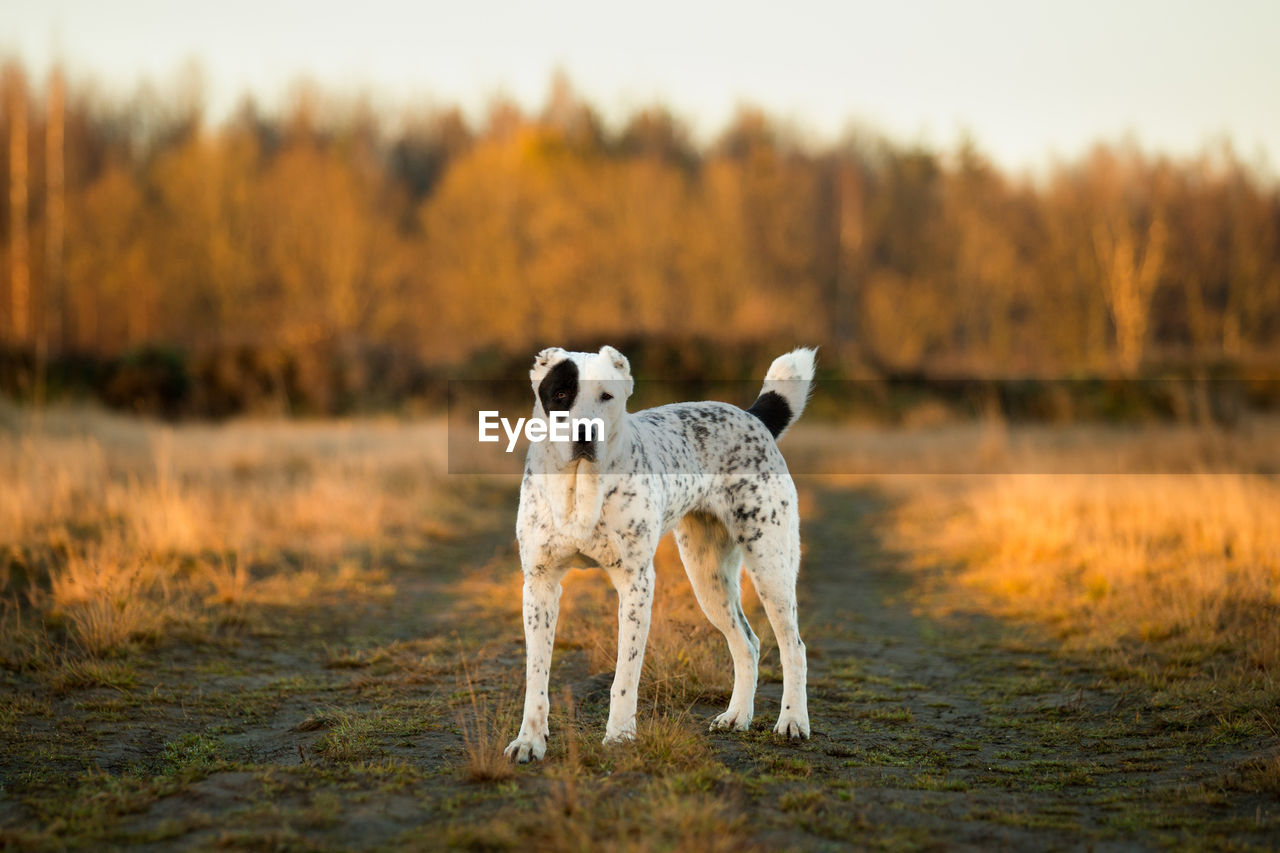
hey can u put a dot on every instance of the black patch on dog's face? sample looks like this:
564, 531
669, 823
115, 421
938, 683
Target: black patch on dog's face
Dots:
772, 409
559, 388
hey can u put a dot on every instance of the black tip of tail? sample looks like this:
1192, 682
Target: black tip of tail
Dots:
773, 410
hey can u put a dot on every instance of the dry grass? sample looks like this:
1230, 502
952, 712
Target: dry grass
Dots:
991, 445
486, 730
686, 658
109, 594
672, 819
654, 793
1182, 568
667, 743
114, 530
566, 795
1191, 560
1259, 775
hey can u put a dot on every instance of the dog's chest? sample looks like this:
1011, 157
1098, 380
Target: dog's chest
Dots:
629, 524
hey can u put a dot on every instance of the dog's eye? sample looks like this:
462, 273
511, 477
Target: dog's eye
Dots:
560, 395
605, 396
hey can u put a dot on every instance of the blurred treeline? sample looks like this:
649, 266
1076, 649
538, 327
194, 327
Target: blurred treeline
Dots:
333, 256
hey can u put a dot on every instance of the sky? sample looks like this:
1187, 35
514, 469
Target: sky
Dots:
1030, 82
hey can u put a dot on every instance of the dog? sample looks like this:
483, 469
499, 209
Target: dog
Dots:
712, 472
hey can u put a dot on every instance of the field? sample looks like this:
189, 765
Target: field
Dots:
271, 635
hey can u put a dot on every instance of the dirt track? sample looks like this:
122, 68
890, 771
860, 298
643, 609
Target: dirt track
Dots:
337, 726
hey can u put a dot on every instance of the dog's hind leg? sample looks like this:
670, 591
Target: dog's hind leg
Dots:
635, 603
713, 562
773, 561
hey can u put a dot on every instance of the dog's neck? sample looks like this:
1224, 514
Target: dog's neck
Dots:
575, 493
580, 497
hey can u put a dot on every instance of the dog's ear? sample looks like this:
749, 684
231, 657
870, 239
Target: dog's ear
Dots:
543, 362
620, 364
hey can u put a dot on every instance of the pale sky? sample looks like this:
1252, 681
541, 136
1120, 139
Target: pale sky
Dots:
1028, 81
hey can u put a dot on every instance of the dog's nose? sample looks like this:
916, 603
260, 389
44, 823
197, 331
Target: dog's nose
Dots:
584, 450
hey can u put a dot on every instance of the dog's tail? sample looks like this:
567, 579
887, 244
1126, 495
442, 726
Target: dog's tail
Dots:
785, 391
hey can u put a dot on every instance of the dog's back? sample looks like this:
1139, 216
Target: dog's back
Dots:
720, 459
720, 438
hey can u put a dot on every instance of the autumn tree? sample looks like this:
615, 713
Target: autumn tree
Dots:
330, 240
15, 87
1128, 235
55, 209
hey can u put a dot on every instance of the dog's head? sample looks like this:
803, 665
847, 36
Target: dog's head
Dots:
592, 389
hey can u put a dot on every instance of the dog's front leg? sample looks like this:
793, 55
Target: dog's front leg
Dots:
541, 609
635, 601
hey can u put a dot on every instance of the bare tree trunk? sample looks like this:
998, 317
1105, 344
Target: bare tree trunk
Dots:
55, 211
846, 311
49, 315
1129, 283
19, 263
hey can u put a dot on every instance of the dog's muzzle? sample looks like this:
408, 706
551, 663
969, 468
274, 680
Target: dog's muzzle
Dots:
584, 450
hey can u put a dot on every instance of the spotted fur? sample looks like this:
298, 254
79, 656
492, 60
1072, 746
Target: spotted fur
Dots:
711, 472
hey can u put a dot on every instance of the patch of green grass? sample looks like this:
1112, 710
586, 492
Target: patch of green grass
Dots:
488, 835
90, 808
888, 715
191, 751
348, 658
907, 687
17, 707
1259, 775
1024, 684
221, 666
1023, 819
1234, 730
351, 736
802, 800
281, 837
934, 782
115, 706
905, 755
835, 822
702, 780
785, 766
847, 669
166, 830
92, 672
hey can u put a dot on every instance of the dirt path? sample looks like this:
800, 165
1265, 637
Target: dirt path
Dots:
336, 726
973, 733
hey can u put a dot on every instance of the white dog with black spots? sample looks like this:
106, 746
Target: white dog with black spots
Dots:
710, 471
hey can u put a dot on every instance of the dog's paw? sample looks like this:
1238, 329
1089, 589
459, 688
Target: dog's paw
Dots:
792, 727
739, 721
620, 736
526, 748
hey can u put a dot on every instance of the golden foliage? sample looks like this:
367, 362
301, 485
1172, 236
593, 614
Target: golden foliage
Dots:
329, 225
